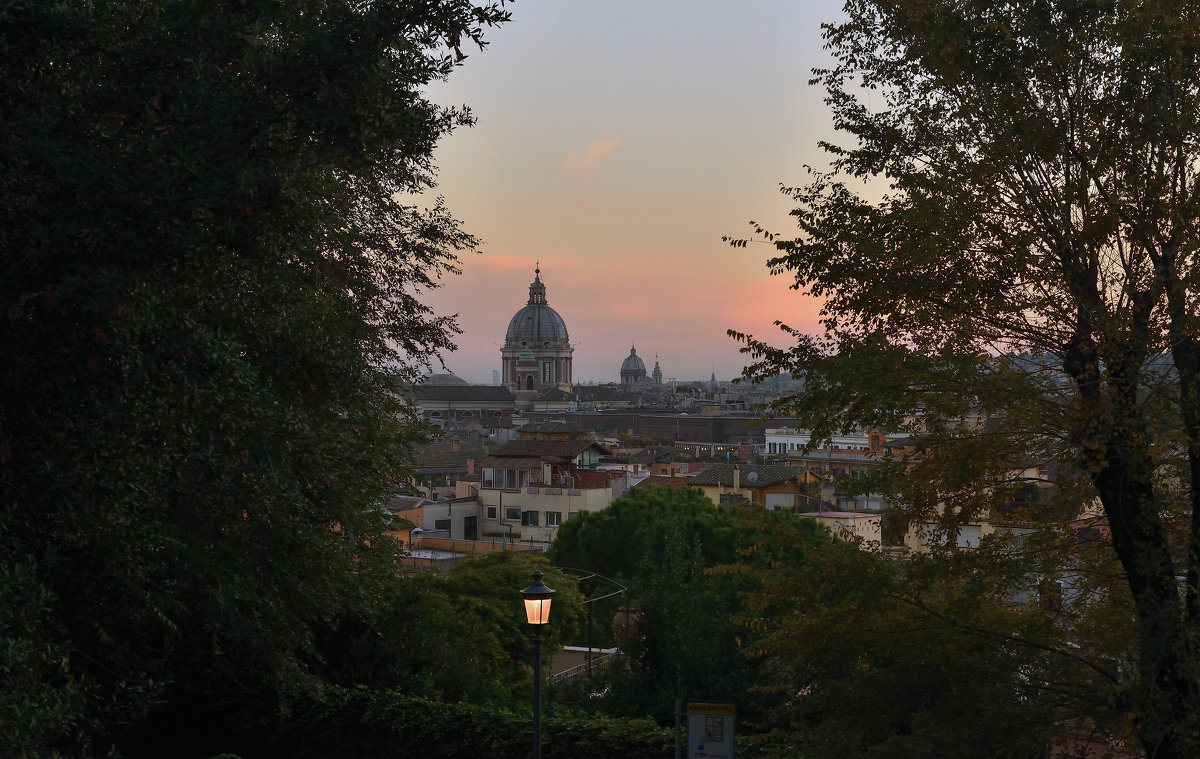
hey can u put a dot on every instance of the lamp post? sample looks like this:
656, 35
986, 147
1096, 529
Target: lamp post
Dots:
537, 598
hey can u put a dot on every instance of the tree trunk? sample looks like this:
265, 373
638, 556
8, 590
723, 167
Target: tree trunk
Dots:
1166, 696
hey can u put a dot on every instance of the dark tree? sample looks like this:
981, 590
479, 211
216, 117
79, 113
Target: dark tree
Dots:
675, 549
1032, 191
210, 268
455, 637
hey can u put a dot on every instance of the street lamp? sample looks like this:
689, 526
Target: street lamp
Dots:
537, 598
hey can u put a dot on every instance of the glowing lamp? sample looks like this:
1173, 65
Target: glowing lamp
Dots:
537, 598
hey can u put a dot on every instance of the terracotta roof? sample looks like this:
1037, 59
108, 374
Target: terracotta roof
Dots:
405, 502
765, 475
650, 455
522, 462
447, 453
666, 482
568, 449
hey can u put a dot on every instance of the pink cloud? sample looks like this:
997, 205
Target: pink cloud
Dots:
489, 261
631, 309
575, 165
482, 144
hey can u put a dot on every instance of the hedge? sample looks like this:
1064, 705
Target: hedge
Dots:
359, 723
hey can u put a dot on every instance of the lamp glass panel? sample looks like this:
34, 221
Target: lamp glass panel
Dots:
537, 610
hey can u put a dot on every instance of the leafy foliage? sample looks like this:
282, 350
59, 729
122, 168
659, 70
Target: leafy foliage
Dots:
459, 637
619, 540
1023, 255
209, 281
361, 723
926, 656
38, 703
685, 641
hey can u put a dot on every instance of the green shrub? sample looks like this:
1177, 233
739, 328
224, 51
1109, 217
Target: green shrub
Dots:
363, 724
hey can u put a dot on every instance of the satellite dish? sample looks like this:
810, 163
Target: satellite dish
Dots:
752, 477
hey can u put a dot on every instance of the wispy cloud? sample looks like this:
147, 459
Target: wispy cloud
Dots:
490, 261
482, 144
575, 165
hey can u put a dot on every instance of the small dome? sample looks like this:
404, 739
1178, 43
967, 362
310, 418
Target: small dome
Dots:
444, 379
632, 363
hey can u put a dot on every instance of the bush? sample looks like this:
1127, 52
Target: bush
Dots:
363, 724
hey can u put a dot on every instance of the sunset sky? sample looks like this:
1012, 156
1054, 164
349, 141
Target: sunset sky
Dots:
617, 142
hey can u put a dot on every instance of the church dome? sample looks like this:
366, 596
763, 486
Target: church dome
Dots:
536, 324
444, 379
633, 369
633, 363
537, 352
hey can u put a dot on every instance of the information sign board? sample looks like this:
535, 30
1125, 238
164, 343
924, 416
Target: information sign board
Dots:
710, 731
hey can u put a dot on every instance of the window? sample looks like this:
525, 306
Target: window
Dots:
491, 512
441, 524
529, 518
512, 512
968, 536
488, 479
553, 518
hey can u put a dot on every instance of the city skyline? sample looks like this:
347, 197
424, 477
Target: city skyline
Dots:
616, 147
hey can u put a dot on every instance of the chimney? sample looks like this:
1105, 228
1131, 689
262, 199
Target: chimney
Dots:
737, 478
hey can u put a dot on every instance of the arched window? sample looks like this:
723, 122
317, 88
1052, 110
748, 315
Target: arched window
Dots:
435, 414
529, 382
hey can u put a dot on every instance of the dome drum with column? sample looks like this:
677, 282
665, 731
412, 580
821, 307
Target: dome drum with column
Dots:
537, 350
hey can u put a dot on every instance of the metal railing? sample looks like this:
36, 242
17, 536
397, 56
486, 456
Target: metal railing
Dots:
597, 661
